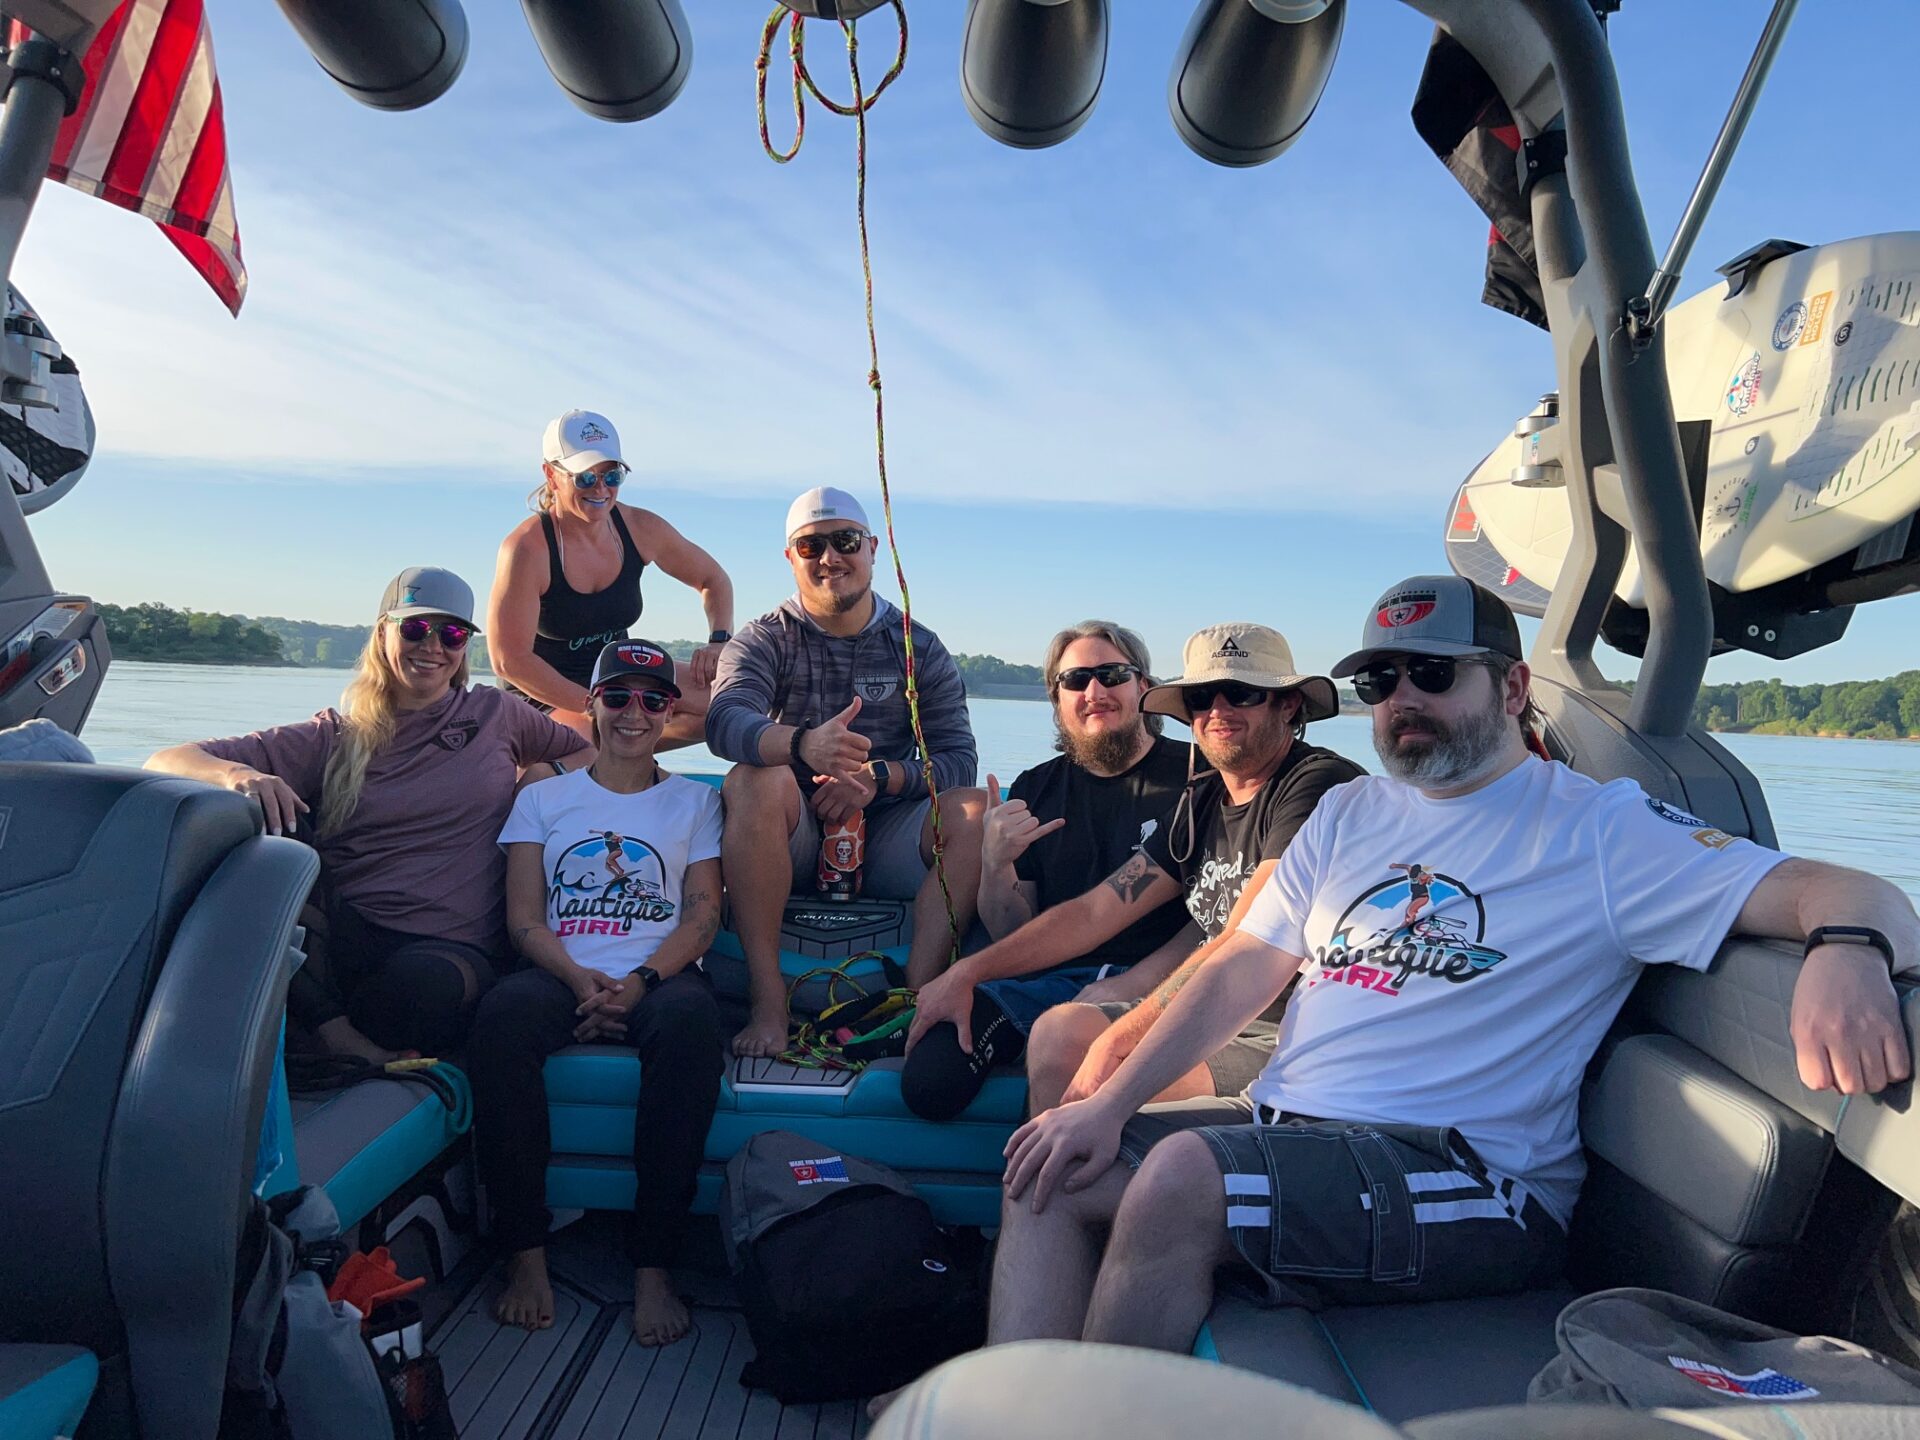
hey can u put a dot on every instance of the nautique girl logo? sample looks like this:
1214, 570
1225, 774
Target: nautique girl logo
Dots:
607, 881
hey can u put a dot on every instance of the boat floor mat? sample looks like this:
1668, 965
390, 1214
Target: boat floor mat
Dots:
587, 1378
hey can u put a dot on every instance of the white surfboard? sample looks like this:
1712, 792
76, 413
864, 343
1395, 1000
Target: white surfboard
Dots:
1810, 378
44, 450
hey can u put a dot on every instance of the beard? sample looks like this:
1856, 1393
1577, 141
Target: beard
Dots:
1457, 755
836, 602
1262, 740
1105, 752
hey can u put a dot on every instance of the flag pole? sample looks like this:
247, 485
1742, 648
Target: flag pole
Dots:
43, 85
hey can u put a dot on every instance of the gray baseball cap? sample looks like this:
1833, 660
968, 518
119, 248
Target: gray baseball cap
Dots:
428, 590
1436, 615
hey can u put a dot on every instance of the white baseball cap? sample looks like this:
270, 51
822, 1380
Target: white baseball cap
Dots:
824, 502
580, 440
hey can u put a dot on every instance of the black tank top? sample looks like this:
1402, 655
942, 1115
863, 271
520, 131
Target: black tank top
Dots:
573, 627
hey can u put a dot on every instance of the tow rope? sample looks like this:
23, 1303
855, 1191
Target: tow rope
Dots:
803, 86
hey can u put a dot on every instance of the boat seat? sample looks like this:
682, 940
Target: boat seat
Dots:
1700, 1182
591, 1090
364, 1142
44, 1389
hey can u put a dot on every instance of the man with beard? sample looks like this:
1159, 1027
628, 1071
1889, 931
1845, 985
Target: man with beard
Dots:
1067, 824
1430, 1078
810, 701
1249, 709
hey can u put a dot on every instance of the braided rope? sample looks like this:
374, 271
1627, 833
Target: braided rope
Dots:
803, 85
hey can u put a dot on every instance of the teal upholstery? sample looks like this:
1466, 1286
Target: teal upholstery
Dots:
366, 1141
591, 1091
44, 1389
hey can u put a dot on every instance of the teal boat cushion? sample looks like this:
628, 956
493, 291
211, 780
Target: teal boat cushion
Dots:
44, 1389
366, 1141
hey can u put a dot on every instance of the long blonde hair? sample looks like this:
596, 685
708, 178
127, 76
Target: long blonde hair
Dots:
370, 708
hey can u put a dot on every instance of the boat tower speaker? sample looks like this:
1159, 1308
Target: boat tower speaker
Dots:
616, 59
1030, 70
1249, 74
390, 54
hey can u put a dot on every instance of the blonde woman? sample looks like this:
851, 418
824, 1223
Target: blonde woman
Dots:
403, 795
568, 580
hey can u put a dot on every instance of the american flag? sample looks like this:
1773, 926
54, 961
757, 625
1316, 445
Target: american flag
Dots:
831, 1170
149, 134
1766, 1384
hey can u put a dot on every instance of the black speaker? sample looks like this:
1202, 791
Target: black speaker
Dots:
1030, 70
1249, 74
616, 59
390, 54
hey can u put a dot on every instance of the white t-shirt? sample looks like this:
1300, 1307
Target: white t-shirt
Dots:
1464, 957
615, 863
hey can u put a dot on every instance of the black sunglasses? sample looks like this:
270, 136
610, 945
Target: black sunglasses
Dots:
453, 634
1433, 674
654, 702
1200, 698
1111, 675
844, 542
613, 479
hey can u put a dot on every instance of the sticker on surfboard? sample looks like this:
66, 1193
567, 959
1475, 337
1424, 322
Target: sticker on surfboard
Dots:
44, 450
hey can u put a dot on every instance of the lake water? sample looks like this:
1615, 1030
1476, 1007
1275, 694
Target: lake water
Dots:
1852, 801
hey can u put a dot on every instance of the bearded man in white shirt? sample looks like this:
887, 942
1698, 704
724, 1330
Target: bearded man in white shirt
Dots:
1431, 1057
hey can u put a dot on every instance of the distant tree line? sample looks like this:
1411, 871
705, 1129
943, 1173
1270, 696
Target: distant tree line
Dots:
197, 637
992, 670
1869, 709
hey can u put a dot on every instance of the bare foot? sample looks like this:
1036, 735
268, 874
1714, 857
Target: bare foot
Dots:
528, 1299
659, 1316
341, 1038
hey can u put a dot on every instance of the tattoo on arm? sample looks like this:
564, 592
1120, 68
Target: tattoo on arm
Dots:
700, 909
1170, 987
1131, 878
520, 935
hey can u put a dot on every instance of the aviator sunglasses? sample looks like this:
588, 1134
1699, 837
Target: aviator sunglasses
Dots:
654, 702
1114, 673
453, 634
613, 479
1433, 674
1199, 698
844, 542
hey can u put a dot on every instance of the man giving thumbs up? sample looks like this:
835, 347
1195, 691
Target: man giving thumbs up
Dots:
811, 702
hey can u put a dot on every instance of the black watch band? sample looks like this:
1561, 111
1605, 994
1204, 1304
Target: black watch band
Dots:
881, 773
719, 637
649, 977
793, 748
1849, 935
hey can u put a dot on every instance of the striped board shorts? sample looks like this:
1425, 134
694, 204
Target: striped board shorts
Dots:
1334, 1212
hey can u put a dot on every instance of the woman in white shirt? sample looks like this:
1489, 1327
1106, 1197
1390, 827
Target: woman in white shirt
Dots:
613, 895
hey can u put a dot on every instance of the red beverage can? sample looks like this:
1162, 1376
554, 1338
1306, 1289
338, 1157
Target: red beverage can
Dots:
843, 848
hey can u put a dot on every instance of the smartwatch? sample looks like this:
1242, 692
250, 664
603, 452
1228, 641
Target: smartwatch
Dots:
881, 773
649, 977
719, 637
1849, 935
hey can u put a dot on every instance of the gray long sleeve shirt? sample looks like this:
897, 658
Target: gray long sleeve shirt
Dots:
783, 668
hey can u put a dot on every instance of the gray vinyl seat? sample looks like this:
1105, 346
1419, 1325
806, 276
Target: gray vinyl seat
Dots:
1706, 1158
146, 935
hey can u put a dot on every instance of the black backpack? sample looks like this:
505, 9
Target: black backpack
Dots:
849, 1286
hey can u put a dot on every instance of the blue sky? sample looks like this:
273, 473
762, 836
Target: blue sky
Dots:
1120, 381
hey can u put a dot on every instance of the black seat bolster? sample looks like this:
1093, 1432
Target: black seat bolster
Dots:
181, 1151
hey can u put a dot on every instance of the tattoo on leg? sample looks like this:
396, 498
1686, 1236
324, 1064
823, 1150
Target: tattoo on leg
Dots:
1131, 878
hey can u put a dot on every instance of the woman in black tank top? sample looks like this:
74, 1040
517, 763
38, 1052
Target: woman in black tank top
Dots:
568, 580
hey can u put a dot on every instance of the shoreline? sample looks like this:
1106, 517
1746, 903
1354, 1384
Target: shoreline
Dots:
993, 691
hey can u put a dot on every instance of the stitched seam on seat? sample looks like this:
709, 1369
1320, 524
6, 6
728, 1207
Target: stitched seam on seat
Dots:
1739, 1103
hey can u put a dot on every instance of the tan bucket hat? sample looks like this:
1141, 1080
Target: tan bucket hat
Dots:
1251, 654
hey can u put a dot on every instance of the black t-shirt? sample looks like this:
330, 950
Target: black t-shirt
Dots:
1107, 818
1230, 841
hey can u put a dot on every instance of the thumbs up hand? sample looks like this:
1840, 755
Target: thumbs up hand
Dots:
835, 751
